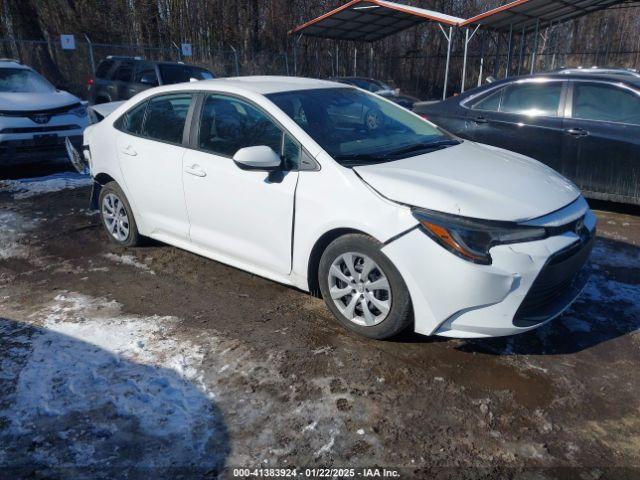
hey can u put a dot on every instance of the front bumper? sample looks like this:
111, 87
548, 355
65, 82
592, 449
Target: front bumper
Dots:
527, 285
24, 141
17, 152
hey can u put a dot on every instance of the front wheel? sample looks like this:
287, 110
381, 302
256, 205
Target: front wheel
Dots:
363, 289
117, 216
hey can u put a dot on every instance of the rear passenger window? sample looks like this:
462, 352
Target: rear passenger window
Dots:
490, 103
147, 76
124, 72
166, 117
103, 69
596, 101
535, 99
133, 119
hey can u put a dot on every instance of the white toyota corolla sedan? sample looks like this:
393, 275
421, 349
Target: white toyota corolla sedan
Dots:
340, 192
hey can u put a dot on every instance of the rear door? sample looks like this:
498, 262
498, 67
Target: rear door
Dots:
524, 117
602, 139
150, 149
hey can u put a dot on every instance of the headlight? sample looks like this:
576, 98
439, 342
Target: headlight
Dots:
472, 239
79, 111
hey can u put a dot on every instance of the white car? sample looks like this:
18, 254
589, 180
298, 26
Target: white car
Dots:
394, 222
35, 117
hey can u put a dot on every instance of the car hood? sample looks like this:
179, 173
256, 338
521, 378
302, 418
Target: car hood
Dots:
18, 102
473, 180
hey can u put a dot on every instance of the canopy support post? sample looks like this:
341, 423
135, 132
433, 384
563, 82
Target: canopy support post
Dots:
483, 34
508, 70
371, 55
467, 39
523, 40
446, 70
535, 47
295, 55
355, 61
496, 62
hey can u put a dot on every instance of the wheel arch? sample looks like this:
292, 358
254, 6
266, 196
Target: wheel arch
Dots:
318, 249
103, 178
99, 181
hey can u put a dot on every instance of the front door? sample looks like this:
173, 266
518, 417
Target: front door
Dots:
151, 156
242, 217
602, 140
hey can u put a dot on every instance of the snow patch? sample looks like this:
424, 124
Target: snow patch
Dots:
129, 260
96, 381
30, 187
13, 228
604, 255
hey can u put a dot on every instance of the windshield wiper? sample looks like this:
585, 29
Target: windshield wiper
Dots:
425, 146
360, 159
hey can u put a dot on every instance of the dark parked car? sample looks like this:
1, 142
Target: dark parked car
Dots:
120, 78
585, 126
381, 88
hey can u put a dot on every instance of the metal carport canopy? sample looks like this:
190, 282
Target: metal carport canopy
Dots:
526, 14
371, 20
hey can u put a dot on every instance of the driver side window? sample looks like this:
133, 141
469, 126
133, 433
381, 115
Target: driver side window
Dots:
228, 124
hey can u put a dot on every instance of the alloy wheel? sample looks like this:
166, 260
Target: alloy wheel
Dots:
360, 289
115, 217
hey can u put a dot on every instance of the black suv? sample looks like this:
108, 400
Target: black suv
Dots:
120, 78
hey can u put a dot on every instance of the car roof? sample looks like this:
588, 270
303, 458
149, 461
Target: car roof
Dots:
12, 64
609, 77
265, 85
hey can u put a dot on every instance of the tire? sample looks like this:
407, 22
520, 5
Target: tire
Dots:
362, 252
117, 216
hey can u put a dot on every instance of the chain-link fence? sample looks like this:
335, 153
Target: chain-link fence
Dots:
71, 69
413, 72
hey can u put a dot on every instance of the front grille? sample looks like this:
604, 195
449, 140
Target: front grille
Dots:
59, 128
31, 113
558, 283
47, 144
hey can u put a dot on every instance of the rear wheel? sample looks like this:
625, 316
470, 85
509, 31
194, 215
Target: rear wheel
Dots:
362, 288
117, 217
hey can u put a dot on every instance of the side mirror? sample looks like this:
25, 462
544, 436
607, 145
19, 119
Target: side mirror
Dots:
261, 158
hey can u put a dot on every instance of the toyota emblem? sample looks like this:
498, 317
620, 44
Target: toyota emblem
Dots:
41, 118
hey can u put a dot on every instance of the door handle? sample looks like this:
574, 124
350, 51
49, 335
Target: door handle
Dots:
480, 119
577, 132
196, 171
128, 150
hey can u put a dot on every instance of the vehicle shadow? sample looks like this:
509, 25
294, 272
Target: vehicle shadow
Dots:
36, 168
608, 308
71, 409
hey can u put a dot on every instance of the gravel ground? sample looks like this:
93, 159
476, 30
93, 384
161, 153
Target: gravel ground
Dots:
156, 363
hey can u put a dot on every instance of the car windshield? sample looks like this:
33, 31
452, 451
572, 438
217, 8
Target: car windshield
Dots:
358, 128
22, 80
183, 73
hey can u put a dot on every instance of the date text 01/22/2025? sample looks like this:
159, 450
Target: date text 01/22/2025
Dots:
313, 473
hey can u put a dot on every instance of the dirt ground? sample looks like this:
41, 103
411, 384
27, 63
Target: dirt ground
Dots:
156, 363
